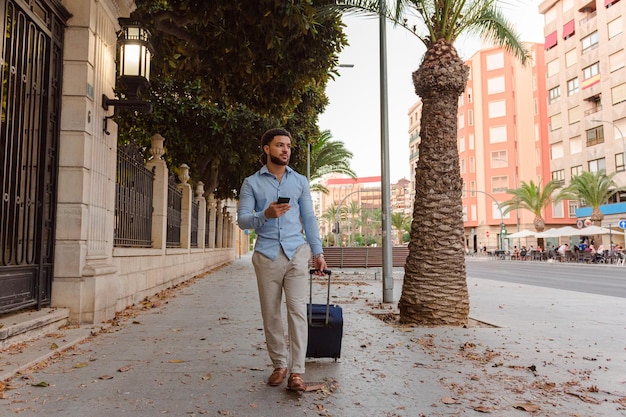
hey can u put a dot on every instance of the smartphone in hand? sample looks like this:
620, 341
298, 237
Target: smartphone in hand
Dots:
283, 200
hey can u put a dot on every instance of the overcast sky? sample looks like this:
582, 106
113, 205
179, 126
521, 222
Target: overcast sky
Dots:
353, 115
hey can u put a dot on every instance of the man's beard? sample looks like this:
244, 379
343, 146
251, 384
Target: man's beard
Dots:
277, 161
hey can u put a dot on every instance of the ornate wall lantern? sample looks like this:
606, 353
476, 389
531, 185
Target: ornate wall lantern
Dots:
133, 72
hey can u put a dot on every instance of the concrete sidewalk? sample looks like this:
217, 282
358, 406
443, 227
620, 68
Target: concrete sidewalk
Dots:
201, 351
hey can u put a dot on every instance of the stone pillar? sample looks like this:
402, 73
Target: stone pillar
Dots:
226, 231
84, 273
185, 212
159, 197
202, 214
220, 224
212, 220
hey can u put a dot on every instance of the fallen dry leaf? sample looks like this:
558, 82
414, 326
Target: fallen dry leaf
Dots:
105, 377
531, 408
483, 409
449, 400
124, 369
80, 365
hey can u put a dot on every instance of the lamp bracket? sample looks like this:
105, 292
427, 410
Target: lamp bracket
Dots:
130, 104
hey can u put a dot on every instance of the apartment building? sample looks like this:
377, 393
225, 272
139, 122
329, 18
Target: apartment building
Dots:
415, 125
361, 198
502, 141
586, 84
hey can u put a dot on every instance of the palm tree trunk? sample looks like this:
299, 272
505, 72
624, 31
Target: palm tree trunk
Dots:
434, 290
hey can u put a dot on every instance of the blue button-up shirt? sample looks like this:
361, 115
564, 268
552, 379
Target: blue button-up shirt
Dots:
262, 188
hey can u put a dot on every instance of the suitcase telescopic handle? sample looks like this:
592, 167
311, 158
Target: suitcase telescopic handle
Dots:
311, 272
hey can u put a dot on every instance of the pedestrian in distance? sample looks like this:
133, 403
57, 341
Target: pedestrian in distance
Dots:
276, 202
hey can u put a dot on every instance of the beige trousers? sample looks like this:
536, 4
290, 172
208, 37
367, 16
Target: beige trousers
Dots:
272, 278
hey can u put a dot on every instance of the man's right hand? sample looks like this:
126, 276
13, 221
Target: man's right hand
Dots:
276, 210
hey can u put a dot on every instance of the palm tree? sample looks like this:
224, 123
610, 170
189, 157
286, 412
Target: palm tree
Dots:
330, 215
328, 156
434, 290
592, 188
530, 196
399, 221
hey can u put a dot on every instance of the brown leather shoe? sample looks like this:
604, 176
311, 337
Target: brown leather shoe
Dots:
277, 377
296, 383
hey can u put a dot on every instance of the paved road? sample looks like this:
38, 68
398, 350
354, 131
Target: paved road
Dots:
592, 279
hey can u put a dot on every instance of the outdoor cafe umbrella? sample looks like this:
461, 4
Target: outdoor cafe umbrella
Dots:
595, 230
559, 232
520, 234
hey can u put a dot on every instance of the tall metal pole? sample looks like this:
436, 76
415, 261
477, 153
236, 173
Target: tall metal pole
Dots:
621, 135
384, 165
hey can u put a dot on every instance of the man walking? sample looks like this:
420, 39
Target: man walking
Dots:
276, 202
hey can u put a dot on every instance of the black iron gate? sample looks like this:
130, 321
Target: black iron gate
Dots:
31, 53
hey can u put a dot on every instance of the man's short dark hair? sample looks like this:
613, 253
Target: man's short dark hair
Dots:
267, 138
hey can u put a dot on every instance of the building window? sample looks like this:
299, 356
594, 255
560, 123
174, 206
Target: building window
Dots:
557, 210
552, 67
576, 171
470, 117
571, 208
618, 94
556, 122
559, 176
616, 61
551, 40
499, 159
556, 150
495, 61
591, 75
573, 115
571, 57
499, 184
575, 145
472, 163
589, 42
572, 86
595, 135
462, 144
497, 134
597, 165
495, 85
497, 109
554, 94
619, 162
615, 27
569, 29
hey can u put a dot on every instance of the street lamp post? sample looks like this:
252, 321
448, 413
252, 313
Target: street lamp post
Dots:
515, 183
339, 212
499, 209
385, 181
621, 135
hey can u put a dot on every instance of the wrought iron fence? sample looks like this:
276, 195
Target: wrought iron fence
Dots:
133, 199
195, 211
174, 208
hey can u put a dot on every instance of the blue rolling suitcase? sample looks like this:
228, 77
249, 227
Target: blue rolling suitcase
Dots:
325, 326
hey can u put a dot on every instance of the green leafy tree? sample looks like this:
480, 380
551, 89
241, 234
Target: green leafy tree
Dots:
434, 290
593, 189
225, 71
